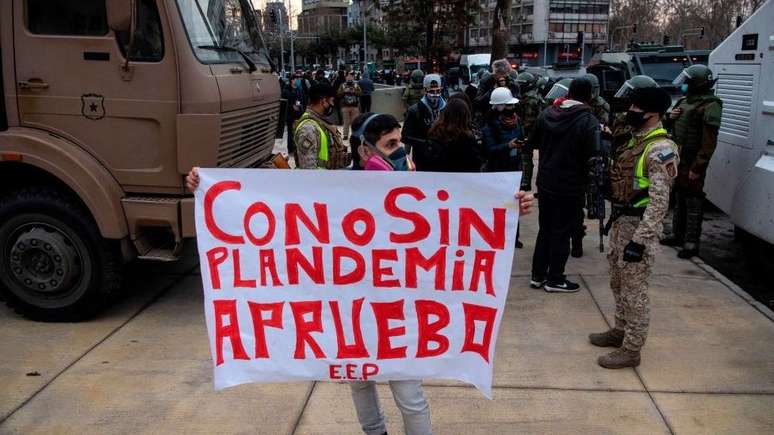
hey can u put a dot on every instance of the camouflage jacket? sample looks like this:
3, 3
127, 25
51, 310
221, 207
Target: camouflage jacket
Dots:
600, 109
530, 106
661, 169
308, 142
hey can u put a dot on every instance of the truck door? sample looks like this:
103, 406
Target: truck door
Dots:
70, 82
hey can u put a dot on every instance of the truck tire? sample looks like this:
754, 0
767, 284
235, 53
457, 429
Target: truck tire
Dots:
54, 264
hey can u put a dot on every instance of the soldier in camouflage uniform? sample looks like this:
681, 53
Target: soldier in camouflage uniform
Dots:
694, 122
318, 142
531, 104
644, 165
414, 90
599, 106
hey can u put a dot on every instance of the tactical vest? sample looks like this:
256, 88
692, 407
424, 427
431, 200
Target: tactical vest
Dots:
323, 156
629, 182
689, 126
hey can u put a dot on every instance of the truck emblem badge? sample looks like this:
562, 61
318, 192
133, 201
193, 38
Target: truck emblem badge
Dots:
93, 106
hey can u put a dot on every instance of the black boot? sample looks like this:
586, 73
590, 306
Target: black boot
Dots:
694, 217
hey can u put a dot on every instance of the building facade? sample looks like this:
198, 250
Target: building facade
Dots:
545, 32
321, 16
274, 14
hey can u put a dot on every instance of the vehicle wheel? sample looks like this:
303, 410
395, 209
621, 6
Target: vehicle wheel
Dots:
54, 264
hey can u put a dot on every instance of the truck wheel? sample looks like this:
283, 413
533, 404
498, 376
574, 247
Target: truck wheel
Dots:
54, 264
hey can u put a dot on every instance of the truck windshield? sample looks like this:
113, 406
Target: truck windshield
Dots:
220, 30
663, 69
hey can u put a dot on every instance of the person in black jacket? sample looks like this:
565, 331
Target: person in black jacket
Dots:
420, 117
452, 146
500, 77
295, 92
566, 136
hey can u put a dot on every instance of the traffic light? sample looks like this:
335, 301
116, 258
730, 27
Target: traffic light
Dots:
701, 35
666, 40
273, 16
580, 38
634, 28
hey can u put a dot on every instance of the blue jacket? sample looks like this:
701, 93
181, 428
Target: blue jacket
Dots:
500, 157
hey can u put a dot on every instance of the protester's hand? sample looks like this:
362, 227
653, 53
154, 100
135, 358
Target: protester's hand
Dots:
693, 176
192, 179
675, 113
525, 202
515, 143
606, 130
633, 252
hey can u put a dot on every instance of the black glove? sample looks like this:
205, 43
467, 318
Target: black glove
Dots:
633, 252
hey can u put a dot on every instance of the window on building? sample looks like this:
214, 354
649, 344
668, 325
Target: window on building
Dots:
67, 17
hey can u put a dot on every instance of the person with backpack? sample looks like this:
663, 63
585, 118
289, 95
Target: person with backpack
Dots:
349, 94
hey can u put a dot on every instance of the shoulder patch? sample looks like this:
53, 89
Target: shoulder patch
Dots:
666, 156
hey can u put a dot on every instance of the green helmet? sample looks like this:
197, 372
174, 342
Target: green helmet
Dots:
635, 82
526, 80
417, 76
695, 76
594, 84
560, 89
543, 85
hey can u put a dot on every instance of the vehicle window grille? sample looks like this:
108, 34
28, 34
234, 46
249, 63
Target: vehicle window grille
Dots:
736, 91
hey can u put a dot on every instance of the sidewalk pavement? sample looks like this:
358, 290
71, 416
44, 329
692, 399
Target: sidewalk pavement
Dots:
144, 365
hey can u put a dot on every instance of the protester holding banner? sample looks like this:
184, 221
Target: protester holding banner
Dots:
319, 143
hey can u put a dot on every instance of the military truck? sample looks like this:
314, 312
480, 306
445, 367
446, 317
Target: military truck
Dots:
659, 62
106, 105
740, 177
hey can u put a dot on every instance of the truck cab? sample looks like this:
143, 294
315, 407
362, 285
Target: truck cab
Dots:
661, 63
106, 105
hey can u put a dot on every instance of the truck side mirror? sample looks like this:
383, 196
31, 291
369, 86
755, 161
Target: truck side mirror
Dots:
119, 14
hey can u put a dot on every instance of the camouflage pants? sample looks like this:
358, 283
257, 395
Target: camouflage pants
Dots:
629, 282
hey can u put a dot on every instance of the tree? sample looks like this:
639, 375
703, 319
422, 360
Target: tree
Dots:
428, 27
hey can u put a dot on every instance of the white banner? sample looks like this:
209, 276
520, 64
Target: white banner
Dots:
354, 275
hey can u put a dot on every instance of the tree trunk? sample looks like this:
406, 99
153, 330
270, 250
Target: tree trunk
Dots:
501, 29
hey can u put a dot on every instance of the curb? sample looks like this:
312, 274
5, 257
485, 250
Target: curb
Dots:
763, 309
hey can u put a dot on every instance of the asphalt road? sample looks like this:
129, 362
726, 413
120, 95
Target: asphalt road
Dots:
722, 249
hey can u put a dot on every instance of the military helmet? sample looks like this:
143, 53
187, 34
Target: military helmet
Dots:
417, 76
560, 89
527, 80
635, 82
543, 85
594, 84
695, 76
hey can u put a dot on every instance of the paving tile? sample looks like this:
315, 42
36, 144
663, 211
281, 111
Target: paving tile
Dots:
465, 411
155, 376
703, 337
48, 348
543, 342
718, 413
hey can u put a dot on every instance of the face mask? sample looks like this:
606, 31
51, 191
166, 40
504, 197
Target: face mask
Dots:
399, 159
328, 110
349, 82
635, 119
433, 99
298, 83
684, 88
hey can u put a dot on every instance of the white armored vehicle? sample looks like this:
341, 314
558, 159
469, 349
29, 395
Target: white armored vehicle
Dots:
740, 178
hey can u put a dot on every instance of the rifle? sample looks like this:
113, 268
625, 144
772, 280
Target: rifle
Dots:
595, 195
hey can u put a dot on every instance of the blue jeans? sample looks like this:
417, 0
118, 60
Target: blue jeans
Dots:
410, 400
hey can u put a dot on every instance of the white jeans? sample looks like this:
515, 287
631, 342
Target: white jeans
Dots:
410, 400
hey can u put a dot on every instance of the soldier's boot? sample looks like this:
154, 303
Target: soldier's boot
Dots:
694, 217
610, 338
619, 358
677, 236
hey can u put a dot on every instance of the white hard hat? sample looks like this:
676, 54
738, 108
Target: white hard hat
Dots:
502, 96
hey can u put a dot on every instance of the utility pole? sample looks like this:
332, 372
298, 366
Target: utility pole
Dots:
292, 38
363, 6
282, 45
